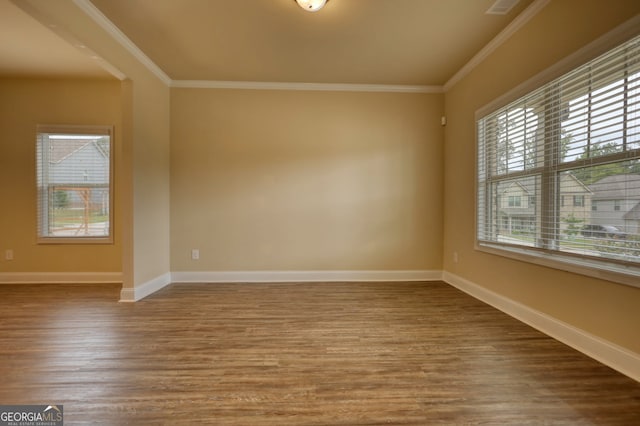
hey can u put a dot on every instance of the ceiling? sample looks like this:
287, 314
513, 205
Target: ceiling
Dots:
29, 49
386, 42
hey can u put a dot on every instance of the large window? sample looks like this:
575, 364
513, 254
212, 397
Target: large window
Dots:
74, 175
572, 147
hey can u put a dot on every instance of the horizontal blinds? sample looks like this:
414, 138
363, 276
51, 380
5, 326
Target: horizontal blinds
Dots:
559, 168
73, 175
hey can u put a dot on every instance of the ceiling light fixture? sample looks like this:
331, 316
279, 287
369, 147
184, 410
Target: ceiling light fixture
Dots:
311, 5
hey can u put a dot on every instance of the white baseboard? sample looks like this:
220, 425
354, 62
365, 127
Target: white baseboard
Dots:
60, 277
145, 289
302, 276
608, 353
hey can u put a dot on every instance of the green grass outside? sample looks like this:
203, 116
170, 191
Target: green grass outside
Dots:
63, 217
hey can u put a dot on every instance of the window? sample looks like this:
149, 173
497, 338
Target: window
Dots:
515, 201
74, 178
577, 136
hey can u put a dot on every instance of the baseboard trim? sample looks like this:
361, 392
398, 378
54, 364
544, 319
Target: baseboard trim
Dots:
608, 353
302, 276
60, 277
145, 289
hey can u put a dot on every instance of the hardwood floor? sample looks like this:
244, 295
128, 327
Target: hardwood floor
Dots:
299, 354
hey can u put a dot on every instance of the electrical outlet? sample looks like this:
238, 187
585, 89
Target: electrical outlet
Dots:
195, 254
8, 254
455, 257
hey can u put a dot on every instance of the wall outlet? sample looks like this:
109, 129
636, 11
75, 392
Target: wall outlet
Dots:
195, 254
8, 254
455, 257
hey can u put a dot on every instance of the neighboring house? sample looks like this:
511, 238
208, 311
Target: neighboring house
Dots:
517, 207
616, 201
518, 200
575, 203
81, 169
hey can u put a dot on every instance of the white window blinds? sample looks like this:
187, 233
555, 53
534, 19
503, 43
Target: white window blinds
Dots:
74, 184
559, 168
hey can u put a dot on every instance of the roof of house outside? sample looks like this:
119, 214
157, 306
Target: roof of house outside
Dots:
569, 184
62, 149
633, 214
617, 187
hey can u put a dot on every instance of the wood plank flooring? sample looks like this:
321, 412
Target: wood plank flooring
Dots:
295, 354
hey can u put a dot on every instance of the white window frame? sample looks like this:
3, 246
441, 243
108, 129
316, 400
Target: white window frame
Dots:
612, 271
43, 200
515, 201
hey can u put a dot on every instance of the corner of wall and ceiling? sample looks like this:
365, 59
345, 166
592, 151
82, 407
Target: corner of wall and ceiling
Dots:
496, 42
97, 16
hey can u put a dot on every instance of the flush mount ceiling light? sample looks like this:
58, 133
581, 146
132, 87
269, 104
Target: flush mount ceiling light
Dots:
311, 5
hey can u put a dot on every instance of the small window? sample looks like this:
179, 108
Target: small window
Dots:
515, 201
578, 200
74, 178
616, 205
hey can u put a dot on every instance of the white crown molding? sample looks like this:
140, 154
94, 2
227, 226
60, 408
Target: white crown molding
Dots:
604, 351
60, 277
98, 17
327, 87
94, 13
145, 289
497, 41
302, 276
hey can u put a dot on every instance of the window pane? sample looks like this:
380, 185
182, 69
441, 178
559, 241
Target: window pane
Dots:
518, 144
576, 212
514, 217
74, 185
607, 224
593, 123
633, 112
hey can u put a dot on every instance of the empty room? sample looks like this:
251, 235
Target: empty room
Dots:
318, 212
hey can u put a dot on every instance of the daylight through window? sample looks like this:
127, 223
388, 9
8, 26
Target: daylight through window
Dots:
570, 151
74, 184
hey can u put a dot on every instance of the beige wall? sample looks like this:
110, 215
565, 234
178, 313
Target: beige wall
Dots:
150, 179
317, 181
290, 180
603, 308
24, 103
144, 172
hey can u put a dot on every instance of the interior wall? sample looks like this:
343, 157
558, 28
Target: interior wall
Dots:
150, 179
144, 172
602, 308
25, 103
305, 181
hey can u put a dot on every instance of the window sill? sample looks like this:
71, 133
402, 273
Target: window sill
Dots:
621, 274
75, 240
